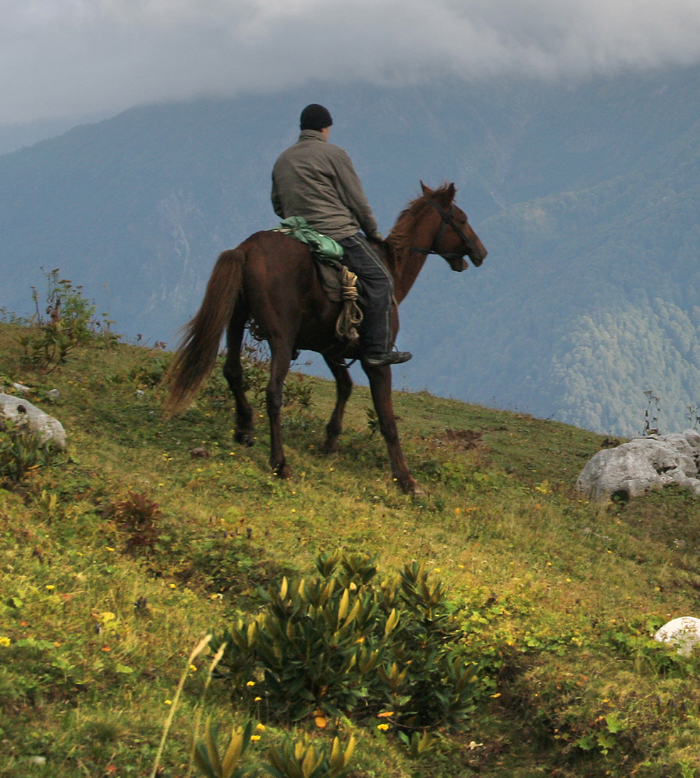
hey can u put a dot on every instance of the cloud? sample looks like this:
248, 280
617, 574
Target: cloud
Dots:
73, 57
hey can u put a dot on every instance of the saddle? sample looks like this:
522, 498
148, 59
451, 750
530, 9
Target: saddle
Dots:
338, 282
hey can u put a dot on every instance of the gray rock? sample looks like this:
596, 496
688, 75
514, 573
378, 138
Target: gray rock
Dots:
19, 410
634, 468
683, 633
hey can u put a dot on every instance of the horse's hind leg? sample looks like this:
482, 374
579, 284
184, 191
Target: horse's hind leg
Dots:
281, 355
233, 372
343, 389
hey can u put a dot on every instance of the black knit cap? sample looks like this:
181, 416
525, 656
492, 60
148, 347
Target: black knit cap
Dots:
315, 117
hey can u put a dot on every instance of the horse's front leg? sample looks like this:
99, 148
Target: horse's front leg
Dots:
279, 367
380, 386
343, 389
233, 372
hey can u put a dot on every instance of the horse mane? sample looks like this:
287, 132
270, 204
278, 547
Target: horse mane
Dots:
397, 240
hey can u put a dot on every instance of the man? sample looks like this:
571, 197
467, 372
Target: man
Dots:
316, 180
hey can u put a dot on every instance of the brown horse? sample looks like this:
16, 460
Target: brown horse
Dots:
271, 280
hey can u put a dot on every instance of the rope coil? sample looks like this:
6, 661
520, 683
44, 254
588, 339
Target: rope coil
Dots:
346, 328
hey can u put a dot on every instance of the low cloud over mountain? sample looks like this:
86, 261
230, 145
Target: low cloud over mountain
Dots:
72, 57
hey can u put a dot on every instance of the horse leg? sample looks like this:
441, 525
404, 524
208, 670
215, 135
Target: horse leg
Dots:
279, 367
233, 372
343, 388
380, 386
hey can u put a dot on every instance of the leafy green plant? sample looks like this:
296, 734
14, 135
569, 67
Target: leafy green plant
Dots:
602, 734
635, 641
417, 743
21, 451
67, 321
214, 765
341, 644
303, 759
151, 370
372, 420
291, 759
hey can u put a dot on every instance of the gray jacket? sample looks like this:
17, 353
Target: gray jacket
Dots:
316, 180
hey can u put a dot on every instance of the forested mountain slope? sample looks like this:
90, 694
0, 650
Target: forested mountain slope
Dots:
586, 195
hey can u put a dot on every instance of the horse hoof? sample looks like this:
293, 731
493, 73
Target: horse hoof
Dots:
410, 486
330, 447
245, 438
285, 471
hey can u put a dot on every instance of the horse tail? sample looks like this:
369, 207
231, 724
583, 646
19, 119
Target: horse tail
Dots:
199, 347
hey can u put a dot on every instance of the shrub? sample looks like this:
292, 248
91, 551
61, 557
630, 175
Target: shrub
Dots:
343, 644
66, 322
21, 451
139, 517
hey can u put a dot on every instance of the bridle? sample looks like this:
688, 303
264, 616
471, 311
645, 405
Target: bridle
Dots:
447, 220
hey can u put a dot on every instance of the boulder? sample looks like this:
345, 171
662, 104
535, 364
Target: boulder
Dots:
45, 427
683, 632
634, 468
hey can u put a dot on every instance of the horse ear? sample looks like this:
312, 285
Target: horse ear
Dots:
446, 194
426, 190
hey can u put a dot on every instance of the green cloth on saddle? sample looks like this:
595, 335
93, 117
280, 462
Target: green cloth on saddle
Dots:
325, 249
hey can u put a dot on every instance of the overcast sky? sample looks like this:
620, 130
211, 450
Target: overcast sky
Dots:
68, 58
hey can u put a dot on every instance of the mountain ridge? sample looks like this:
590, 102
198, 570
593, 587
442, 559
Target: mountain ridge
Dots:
584, 193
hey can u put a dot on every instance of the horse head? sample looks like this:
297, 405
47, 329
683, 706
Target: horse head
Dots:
455, 237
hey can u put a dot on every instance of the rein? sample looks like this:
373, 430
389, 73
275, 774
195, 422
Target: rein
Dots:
446, 220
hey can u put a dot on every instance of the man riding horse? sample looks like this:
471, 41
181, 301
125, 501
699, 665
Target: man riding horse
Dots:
316, 180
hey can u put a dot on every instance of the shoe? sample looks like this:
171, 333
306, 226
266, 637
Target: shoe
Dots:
390, 358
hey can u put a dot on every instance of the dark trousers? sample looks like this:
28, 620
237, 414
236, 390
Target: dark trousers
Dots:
377, 288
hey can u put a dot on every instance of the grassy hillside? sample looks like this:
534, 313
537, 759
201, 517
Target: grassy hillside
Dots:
119, 555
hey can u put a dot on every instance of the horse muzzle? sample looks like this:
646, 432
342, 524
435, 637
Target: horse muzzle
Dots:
458, 264
479, 255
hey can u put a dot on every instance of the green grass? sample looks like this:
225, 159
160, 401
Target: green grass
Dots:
558, 596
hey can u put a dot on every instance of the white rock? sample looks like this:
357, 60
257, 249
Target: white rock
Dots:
683, 632
634, 468
17, 409
21, 388
54, 394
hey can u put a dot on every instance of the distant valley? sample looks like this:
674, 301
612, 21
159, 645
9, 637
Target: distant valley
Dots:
587, 196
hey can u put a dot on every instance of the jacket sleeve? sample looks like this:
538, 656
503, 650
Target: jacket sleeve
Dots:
276, 202
352, 194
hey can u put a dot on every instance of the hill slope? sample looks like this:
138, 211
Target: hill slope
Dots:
118, 557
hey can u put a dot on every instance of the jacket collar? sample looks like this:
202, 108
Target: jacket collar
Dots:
311, 135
